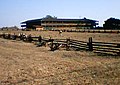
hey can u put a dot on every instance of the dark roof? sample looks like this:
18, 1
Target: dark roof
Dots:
56, 19
34, 20
69, 20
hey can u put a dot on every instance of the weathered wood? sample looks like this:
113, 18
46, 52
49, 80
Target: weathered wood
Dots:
29, 38
68, 44
90, 46
104, 43
3, 35
118, 46
52, 45
8, 36
97, 47
77, 41
13, 37
103, 47
78, 48
39, 39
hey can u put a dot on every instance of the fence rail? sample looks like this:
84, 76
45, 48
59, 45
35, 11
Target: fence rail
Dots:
88, 30
69, 44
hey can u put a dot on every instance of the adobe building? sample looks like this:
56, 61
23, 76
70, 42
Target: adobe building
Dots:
51, 23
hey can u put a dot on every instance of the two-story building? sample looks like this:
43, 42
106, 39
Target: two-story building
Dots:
50, 22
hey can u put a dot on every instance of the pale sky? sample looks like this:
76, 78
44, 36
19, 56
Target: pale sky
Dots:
13, 12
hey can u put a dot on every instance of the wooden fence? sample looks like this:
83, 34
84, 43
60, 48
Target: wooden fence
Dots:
89, 31
70, 44
106, 48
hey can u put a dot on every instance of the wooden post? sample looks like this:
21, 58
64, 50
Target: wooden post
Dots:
118, 46
90, 46
39, 39
29, 38
21, 36
111, 31
14, 37
52, 46
8, 36
68, 44
118, 31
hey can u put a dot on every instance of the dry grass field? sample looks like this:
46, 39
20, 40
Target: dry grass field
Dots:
25, 64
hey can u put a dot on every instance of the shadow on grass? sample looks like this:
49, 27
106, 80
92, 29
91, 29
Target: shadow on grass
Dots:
107, 55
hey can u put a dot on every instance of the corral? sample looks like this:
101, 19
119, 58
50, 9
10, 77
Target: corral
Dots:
24, 63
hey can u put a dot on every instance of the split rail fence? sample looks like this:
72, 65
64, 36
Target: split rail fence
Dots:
89, 31
69, 44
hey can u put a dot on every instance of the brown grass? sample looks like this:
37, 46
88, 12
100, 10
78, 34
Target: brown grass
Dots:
25, 64
103, 37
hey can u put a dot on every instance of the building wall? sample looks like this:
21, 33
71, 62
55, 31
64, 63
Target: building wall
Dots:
39, 28
67, 25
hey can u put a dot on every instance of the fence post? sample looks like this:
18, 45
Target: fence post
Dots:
118, 46
14, 36
8, 36
29, 38
40, 39
68, 44
52, 46
21, 36
90, 46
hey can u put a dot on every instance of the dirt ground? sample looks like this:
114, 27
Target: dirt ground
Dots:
25, 64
